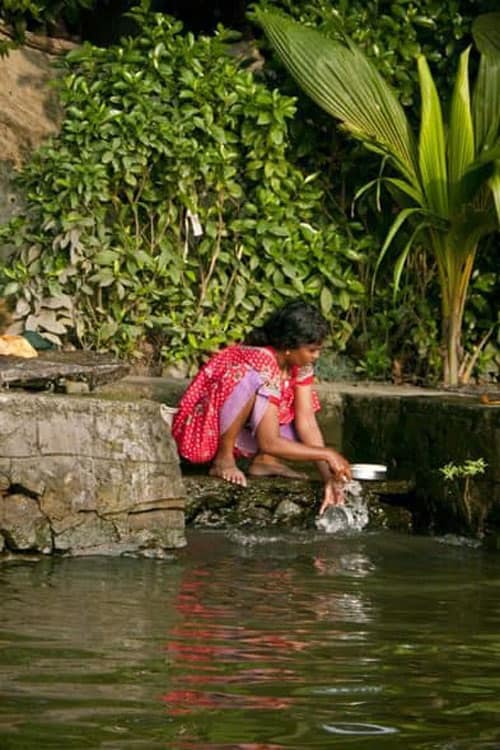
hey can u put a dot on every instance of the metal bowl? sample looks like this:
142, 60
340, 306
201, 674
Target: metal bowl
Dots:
368, 471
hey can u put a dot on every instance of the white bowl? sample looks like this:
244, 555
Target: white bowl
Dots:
368, 471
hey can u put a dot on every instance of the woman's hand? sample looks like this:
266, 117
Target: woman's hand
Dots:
339, 466
333, 495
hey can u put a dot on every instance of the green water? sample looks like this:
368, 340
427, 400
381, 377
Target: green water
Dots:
250, 643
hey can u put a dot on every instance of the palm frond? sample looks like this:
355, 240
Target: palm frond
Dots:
486, 100
432, 149
461, 134
401, 261
396, 225
345, 83
484, 170
468, 228
486, 33
494, 185
486, 103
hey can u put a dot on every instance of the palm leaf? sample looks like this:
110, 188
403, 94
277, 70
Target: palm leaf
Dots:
486, 33
344, 82
409, 189
393, 230
494, 185
401, 261
432, 150
485, 170
461, 135
486, 101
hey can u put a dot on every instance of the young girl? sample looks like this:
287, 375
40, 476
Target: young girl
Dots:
256, 400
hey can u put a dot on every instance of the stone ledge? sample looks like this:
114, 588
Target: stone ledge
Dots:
275, 502
126, 491
55, 370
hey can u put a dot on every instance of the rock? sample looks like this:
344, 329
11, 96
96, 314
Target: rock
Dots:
92, 531
23, 525
288, 513
100, 473
61, 371
250, 514
4, 483
16, 346
74, 387
394, 517
154, 528
28, 100
27, 479
274, 502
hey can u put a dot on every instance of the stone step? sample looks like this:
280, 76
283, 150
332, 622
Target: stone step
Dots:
293, 504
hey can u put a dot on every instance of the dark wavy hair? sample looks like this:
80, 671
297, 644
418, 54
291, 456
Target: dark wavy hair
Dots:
296, 324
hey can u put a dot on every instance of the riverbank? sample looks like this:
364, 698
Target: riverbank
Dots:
98, 472
415, 431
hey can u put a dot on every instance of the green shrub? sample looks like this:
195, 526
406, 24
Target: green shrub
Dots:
22, 15
167, 208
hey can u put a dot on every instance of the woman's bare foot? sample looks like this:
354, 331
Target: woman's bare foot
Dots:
228, 472
273, 469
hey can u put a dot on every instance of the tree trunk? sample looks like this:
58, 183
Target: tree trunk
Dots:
453, 348
453, 305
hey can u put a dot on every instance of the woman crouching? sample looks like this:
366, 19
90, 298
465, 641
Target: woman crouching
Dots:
257, 400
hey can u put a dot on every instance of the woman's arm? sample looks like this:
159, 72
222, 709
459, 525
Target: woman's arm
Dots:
270, 441
307, 426
309, 431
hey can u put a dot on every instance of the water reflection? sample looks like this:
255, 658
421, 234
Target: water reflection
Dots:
289, 644
246, 648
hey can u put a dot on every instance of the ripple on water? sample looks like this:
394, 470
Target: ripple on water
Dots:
358, 729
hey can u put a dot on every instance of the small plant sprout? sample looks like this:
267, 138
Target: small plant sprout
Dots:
456, 472
469, 468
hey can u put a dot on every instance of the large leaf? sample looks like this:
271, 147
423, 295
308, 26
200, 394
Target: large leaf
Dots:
494, 185
461, 136
486, 102
432, 149
485, 170
486, 33
345, 83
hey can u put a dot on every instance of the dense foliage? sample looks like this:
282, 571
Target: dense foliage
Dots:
166, 207
393, 33
405, 333
22, 15
81, 267
447, 179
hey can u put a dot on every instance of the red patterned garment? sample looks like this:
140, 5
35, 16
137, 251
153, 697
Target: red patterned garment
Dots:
221, 389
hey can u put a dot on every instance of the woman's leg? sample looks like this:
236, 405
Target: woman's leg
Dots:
264, 465
224, 465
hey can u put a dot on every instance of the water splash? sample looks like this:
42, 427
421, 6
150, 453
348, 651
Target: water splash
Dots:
351, 516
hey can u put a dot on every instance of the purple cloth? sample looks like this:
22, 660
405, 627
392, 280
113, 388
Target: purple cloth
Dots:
248, 387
